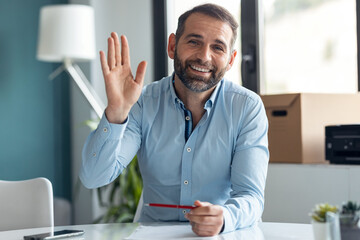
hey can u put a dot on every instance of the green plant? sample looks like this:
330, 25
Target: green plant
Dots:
123, 194
319, 213
350, 207
349, 215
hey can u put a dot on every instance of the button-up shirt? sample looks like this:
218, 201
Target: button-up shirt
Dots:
223, 160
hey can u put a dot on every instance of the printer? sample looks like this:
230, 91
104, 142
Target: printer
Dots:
342, 144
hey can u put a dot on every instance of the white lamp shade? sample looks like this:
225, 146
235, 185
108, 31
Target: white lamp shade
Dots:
66, 32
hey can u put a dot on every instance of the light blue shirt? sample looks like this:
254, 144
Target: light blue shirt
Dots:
224, 160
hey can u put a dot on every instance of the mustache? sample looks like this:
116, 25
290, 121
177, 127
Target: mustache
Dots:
201, 63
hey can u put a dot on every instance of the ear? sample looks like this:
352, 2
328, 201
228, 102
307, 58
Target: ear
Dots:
231, 60
171, 46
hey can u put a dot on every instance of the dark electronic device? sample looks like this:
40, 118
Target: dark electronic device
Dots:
342, 144
55, 235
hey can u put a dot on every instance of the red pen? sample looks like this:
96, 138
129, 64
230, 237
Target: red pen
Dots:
168, 205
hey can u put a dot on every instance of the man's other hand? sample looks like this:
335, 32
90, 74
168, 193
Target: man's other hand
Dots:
206, 219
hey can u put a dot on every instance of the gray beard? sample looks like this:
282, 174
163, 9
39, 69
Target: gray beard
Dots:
195, 83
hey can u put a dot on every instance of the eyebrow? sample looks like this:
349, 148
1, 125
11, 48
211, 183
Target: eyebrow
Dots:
193, 35
201, 37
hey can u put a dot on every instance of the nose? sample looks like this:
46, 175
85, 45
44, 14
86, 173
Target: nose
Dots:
205, 53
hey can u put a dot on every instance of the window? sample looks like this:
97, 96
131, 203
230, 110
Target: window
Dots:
309, 46
288, 45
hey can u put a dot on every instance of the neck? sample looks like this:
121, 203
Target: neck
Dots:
191, 99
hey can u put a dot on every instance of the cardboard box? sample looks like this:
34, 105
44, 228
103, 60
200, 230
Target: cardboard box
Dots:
297, 123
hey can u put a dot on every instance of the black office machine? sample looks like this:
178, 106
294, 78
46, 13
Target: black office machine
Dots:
342, 144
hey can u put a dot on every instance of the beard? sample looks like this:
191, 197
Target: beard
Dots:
193, 82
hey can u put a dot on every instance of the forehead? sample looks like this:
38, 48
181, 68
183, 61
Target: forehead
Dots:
208, 27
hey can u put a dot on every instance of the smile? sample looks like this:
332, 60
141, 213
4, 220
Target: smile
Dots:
200, 69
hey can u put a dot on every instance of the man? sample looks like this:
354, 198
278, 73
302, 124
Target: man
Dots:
200, 140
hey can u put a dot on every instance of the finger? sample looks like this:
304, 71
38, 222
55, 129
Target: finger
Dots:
140, 72
207, 210
204, 228
111, 53
204, 232
104, 64
197, 203
206, 220
125, 52
117, 48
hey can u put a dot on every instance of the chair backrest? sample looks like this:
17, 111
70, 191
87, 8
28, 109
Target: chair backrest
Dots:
26, 204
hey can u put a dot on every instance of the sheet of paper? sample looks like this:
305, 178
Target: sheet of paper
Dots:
166, 232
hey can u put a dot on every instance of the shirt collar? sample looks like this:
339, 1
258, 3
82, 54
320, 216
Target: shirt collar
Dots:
177, 101
210, 102
174, 97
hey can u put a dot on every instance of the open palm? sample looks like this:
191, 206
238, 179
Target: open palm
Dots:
122, 89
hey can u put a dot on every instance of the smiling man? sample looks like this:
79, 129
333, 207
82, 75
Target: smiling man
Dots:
200, 139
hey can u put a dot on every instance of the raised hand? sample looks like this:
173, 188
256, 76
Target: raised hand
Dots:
206, 219
122, 89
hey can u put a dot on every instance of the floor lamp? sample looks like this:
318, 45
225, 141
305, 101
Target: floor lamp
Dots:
67, 35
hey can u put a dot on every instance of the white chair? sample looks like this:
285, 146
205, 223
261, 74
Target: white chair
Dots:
26, 204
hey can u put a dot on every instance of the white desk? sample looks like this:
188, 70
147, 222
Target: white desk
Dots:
264, 231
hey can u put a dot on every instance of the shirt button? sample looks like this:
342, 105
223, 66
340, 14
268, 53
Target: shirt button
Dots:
187, 118
105, 129
186, 182
94, 154
188, 149
184, 211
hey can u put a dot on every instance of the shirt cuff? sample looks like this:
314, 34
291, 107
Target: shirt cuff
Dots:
116, 131
223, 226
228, 225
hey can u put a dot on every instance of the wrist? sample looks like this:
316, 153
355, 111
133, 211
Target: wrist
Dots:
116, 116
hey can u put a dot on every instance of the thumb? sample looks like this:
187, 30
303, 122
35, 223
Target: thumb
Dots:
140, 72
197, 203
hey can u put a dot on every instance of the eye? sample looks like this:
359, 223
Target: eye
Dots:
219, 48
193, 42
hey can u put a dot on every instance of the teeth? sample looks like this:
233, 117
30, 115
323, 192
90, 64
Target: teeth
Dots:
200, 69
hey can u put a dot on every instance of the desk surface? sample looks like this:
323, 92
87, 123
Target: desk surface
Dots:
264, 231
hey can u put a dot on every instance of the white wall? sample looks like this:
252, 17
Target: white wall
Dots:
132, 18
